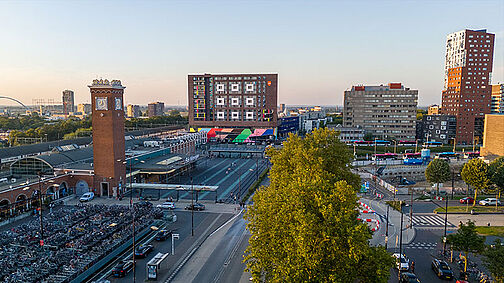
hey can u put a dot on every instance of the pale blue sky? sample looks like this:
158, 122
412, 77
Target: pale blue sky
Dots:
318, 48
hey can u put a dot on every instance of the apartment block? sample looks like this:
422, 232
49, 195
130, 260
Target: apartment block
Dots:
467, 89
233, 100
439, 128
497, 103
68, 102
133, 111
155, 109
386, 111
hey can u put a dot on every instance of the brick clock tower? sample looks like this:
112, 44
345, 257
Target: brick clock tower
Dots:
108, 136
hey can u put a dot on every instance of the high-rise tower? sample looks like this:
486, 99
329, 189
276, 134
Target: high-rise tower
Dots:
108, 136
467, 89
68, 101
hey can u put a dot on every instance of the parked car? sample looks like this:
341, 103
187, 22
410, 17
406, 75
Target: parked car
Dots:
87, 197
407, 277
402, 263
489, 201
467, 200
143, 250
163, 235
442, 269
122, 268
166, 205
195, 206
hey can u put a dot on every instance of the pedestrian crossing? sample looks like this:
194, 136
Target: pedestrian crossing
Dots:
430, 221
421, 245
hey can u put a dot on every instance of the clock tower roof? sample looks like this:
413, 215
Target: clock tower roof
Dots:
104, 83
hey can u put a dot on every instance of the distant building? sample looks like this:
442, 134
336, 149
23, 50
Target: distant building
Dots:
288, 125
497, 104
439, 128
493, 138
155, 109
84, 108
68, 102
385, 111
133, 111
467, 89
348, 134
433, 110
233, 100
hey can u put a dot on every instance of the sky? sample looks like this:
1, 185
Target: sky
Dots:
318, 48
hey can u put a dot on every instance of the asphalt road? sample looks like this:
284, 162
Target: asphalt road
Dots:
202, 221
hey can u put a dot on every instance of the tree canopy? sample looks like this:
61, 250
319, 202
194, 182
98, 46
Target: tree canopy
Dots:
438, 171
496, 173
493, 258
475, 173
304, 224
467, 239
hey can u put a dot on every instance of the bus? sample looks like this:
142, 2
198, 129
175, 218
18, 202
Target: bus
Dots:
385, 156
411, 155
406, 143
432, 144
471, 155
447, 154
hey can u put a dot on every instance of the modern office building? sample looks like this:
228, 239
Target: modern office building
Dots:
348, 134
233, 100
133, 111
497, 103
155, 109
84, 108
68, 102
439, 128
386, 111
467, 89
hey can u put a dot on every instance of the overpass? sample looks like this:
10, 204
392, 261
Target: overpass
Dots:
175, 187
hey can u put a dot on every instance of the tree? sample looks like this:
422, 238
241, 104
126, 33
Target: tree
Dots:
493, 258
496, 176
304, 224
467, 239
475, 173
438, 171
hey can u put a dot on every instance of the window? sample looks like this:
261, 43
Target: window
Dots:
221, 101
249, 101
220, 115
442, 136
235, 101
220, 87
249, 115
235, 87
249, 87
235, 115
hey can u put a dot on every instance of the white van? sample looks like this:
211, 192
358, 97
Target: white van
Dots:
87, 197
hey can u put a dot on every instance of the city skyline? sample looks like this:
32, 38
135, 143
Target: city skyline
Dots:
318, 51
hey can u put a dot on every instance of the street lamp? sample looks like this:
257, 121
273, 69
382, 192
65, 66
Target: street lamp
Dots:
192, 207
386, 229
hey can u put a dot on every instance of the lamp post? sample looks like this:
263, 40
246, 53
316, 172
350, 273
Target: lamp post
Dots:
386, 229
192, 207
400, 243
134, 243
445, 222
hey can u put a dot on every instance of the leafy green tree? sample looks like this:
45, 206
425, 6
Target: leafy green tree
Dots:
304, 224
438, 171
493, 258
496, 176
475, 173
466, 239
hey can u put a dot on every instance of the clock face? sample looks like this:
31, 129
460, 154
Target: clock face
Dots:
118, 103
101, 103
